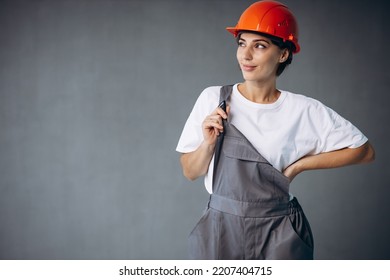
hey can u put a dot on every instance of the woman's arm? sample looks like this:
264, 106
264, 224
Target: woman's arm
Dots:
339, 158
196, 163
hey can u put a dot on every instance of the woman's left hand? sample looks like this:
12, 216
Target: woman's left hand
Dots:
339, 158
291, 171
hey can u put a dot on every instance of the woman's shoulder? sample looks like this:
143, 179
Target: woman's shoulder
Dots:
211, 91
210, 94
303, 100
207, 100
310, 107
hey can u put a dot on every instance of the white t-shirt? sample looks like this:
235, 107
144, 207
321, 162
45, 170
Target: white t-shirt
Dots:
282, 132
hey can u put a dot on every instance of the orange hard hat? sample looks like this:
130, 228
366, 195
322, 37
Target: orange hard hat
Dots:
269, 17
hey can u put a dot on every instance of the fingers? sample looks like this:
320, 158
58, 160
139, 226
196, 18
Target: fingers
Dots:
219, 111
215, 118
212, 124
227, 110
213, 121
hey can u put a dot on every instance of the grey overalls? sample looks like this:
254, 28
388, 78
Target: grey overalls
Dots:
249, 215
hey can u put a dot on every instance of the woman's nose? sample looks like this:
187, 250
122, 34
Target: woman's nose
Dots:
247, 54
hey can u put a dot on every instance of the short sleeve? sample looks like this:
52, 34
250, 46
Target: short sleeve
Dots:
342, 133
192, 136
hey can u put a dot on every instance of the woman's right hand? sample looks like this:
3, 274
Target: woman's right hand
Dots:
212, 125
196, 163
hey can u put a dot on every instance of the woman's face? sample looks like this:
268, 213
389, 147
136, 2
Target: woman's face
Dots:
258, 57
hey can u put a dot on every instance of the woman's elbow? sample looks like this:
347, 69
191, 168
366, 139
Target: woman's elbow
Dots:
189, 175
186, 167
369, 153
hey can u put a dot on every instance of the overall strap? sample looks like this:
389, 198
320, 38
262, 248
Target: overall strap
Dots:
225, 93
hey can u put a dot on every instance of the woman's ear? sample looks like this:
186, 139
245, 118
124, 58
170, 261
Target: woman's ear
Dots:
284, 55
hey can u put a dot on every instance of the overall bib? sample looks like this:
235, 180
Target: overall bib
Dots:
249, 214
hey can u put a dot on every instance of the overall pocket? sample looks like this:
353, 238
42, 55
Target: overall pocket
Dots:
300, 225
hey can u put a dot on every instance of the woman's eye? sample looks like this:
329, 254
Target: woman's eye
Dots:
259, 46
241, 44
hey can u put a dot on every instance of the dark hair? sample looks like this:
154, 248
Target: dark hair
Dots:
281, 44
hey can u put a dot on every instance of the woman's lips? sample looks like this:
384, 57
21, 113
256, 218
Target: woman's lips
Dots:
248, 68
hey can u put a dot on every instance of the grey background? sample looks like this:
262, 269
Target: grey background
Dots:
93, 98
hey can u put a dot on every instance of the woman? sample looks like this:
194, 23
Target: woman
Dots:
252, 151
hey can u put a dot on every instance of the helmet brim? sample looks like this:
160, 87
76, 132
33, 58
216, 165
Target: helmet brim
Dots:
235, 31
232, 30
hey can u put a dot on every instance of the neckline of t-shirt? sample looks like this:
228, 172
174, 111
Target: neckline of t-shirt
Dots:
252, 104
